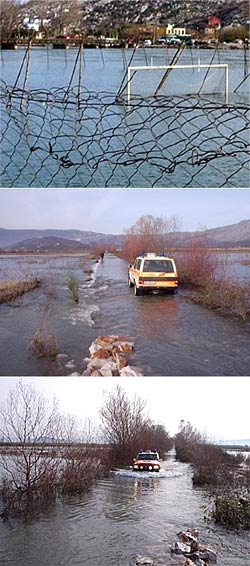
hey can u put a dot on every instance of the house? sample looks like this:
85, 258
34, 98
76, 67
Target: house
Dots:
174, 30
213, 27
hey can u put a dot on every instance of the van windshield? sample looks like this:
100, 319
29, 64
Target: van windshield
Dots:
158, 265
145, 456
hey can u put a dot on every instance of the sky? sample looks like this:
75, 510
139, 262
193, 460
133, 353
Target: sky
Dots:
113, 210
216, 406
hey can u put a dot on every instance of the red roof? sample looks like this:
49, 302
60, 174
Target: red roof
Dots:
214, 21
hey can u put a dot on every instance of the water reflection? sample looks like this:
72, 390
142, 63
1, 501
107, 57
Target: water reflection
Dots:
150, 484
155, 312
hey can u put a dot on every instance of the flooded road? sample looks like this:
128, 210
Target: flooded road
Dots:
123, 515
171, 335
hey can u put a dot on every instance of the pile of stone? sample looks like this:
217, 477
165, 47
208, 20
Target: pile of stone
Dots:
108, 357
195, 553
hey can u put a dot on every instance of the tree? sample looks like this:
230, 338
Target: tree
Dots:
9, 14
44, 453
123, 422
127, 428
67, 14
28, 423
186, 440
198, 264
150, 234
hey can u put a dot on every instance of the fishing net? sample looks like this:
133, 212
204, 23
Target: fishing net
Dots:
63, 138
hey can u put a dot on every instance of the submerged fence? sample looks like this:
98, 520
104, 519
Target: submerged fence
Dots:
63, 138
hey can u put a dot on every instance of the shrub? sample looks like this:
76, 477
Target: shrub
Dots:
44, 346
232, 511
228, 297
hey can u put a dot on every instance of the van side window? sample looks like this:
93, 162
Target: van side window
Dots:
138, 264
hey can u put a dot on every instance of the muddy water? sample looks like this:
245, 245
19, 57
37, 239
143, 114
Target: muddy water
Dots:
172, 336
122, 516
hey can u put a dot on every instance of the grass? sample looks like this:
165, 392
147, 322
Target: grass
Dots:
210, 284
44, 346
13, 288
227, 297
73, 287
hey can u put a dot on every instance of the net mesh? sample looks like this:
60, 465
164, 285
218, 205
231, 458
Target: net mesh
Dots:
63, 138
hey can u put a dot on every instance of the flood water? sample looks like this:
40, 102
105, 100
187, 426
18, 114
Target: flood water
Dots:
123, 515
103, 69
179, 139
172, 336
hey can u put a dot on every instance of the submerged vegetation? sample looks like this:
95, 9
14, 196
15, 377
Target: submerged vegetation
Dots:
73, 286
225, 476
44, 346
13, 288
45, 455
229, 298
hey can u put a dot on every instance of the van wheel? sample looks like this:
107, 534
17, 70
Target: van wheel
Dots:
130, 284
171, 291
137, 290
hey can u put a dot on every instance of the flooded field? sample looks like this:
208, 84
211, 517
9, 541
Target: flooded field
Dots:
122, 516
55, 135
171, 335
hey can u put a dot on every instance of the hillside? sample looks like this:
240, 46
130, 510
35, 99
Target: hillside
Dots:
49, 244
112, 13
233, 235
10, 237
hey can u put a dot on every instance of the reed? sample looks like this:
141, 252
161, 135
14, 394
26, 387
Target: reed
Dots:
73, 287
13, 288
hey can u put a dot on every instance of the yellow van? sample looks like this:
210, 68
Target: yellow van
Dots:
152, 271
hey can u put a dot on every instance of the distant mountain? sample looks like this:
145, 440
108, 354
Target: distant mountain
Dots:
10, 237
49, 244
230, 236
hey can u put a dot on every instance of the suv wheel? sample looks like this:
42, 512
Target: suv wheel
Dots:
130, 284
137, 290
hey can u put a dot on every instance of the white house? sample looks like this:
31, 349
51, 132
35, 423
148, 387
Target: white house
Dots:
173, 30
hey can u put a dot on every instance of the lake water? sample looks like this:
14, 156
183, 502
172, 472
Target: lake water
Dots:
174, 140
121, 516
172, 336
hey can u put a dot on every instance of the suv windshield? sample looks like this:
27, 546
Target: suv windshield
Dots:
143, 456
158, 265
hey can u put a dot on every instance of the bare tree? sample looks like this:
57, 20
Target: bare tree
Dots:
67, 14
44, 453
150, 233
28, 424
9, 15
127, 428
123, 423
